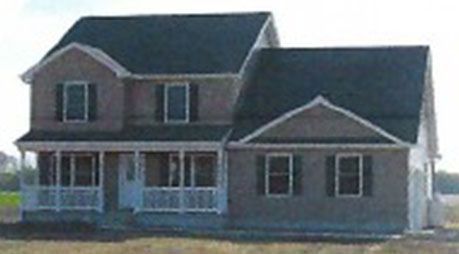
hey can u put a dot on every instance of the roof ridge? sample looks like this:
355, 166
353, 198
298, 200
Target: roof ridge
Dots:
202, 14
343, 48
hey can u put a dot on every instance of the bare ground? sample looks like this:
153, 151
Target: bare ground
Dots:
69, 239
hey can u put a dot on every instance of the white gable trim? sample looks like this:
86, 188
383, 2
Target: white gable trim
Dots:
319, 100
255, 45
95, 53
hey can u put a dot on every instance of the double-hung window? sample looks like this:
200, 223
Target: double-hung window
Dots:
349, 175
279, 174
75, 102
177, 102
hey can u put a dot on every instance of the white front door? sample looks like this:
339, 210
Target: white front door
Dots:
127, 181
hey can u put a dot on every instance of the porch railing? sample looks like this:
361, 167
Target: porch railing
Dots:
194, 199
63, 198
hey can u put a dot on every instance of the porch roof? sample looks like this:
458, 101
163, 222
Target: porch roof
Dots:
140, 133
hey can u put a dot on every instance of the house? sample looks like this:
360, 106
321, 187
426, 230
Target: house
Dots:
204, 121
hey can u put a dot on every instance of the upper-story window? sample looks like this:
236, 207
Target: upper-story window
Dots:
76, 99
177, 102
76, 102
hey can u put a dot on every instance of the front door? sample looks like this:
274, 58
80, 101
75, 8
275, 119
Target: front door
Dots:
127, 181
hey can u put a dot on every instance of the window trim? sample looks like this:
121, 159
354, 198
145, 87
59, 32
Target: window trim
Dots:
338, 158
290, 176
187, 102
67, 84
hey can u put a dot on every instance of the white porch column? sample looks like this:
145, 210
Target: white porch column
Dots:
22, 183
101, 181
58, 180
182, 180
136, 177
36, 175
221, 182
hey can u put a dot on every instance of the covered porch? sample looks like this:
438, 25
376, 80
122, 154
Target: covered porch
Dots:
170, 177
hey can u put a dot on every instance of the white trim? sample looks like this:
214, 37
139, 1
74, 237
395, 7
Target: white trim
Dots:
238, 145
340, 156
58, 206
101, 180
175, 76
182, 209
290, 174
67, 84
182, 181
187, 102
74, 146
94, 52
319, 100
255, 45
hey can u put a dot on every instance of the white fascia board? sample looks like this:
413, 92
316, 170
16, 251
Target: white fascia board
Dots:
95, 53
320, 100
117, 146
254, 46
238, 145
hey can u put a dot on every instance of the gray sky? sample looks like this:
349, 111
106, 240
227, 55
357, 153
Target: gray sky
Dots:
28, 28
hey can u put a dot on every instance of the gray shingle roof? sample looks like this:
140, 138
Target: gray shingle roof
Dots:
383, 85
170, 44
144, 133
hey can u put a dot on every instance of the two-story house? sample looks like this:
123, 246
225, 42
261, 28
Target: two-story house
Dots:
204, 121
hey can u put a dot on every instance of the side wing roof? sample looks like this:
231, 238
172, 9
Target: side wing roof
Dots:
383, 85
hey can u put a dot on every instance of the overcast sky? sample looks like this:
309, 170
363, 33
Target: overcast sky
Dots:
28, 28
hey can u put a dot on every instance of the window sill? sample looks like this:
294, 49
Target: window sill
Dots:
278, 196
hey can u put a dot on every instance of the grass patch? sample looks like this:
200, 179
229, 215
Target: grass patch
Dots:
10, 199
452, 217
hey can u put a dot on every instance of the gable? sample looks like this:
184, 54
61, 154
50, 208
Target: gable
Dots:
75, 55
319, 124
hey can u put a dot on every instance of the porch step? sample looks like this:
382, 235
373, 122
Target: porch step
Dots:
119, 219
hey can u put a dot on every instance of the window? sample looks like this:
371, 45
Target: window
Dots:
177, 103
349, 175
279, 174
85, 171
79, 170
75, 101
199, 170
204, 169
